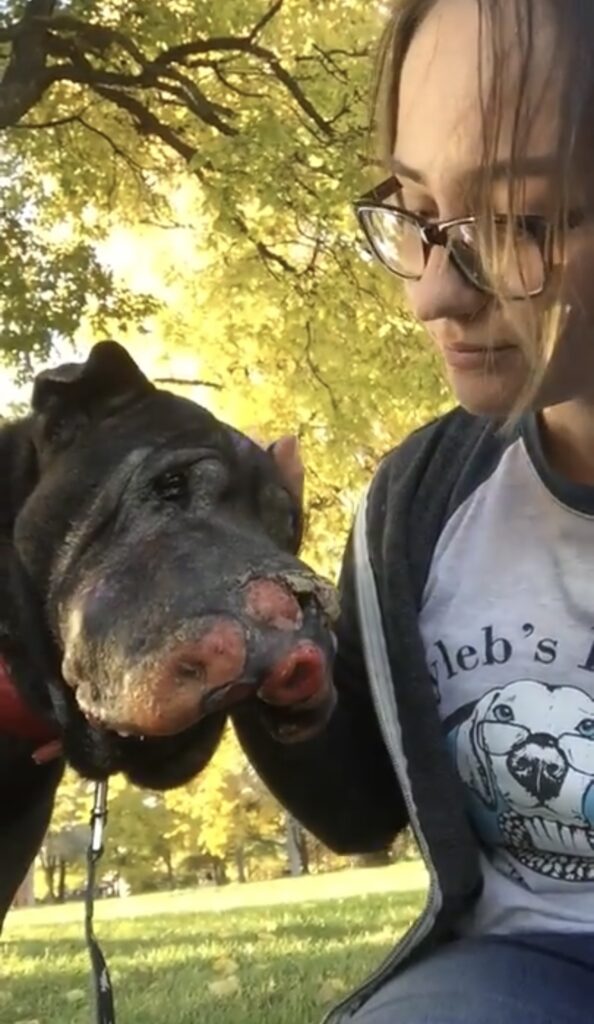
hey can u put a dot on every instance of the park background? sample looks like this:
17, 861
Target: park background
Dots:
180, 177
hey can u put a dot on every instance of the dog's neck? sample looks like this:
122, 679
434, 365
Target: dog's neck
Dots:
19, 470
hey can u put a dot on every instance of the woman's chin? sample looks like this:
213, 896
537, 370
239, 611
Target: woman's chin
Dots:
484, 393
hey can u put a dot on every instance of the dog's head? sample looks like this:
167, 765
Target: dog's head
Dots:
158, 547
530, 744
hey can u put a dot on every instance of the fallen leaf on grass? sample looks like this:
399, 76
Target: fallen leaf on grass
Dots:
225, 965
76, 995
225, 987
331, 989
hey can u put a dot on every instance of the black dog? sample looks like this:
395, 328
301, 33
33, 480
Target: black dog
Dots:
149, 583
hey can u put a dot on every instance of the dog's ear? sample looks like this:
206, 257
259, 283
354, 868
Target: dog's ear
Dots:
108, 375
67, 397
471, 758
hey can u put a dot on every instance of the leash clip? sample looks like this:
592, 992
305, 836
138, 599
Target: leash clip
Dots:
105, 1012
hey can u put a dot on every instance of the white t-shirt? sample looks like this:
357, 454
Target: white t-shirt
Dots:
508, 626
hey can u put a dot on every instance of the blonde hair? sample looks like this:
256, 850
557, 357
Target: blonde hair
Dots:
538, 325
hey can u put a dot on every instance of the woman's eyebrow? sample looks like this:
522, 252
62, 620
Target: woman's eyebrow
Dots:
526, 167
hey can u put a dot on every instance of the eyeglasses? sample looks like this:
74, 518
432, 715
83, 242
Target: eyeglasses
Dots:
512, 265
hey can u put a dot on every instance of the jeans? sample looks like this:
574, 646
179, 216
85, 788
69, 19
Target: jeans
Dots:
527, 979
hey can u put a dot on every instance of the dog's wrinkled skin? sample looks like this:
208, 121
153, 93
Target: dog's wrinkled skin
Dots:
149, 553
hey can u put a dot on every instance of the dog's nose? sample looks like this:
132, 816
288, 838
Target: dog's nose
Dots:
300, 676
539, 766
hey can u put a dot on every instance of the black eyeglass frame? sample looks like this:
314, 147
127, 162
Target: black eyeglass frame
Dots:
436, 233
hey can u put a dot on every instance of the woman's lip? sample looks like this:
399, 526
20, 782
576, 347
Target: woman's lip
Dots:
476, 357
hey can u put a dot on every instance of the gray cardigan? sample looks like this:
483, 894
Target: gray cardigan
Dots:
382, 762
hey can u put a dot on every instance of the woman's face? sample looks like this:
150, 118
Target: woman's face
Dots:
439, 139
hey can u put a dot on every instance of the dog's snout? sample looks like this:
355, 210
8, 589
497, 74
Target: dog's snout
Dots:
539, 766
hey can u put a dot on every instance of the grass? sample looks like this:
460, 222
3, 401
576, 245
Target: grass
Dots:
266, 953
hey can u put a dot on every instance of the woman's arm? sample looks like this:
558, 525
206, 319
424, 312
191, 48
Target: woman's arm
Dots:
340, 785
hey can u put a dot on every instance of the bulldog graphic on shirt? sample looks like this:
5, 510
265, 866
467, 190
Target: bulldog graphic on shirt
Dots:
525, 752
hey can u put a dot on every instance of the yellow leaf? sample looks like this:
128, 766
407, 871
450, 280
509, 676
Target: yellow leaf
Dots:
225, 987
76, 995
331, 989
225, 965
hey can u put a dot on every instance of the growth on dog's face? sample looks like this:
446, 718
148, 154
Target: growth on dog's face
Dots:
169, 588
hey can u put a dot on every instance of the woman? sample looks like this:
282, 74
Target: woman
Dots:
465, 663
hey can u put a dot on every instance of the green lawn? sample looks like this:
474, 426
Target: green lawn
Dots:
264, 953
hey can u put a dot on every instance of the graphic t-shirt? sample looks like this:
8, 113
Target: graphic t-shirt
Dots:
508, 626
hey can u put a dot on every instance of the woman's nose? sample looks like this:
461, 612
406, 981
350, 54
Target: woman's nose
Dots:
442, 292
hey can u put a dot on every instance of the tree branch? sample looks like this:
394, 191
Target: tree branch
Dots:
261, 24
132, 164
56, 123
262, 248
42, 33
25, 79
244, 44
187, 382
315, 369
245, 93
193, 98
147, 123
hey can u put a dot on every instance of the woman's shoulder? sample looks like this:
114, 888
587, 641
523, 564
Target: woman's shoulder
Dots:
443, 442
424, 474
419, 483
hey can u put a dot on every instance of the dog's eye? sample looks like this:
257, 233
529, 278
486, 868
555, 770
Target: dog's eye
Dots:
586, 728
503, 713
172, 486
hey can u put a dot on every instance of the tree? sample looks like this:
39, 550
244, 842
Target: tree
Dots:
139, 842
228, 814
62, 848
181, 175
69, 833
109, 100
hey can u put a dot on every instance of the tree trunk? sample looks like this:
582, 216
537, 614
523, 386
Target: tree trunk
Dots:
296, 847
169, 869
49, 870
240, 865
220, 872
303, 850
62, 880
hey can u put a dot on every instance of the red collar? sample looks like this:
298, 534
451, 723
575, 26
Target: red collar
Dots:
17, 719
